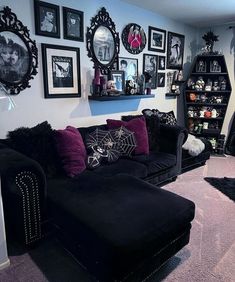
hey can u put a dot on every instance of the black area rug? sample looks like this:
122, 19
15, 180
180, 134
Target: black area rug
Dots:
225, 185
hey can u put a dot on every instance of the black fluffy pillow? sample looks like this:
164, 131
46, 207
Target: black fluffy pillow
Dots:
37, 143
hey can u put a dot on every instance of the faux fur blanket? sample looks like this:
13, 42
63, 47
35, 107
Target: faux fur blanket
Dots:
194, 145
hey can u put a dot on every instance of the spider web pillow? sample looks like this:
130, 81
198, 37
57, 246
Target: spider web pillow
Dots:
108, 145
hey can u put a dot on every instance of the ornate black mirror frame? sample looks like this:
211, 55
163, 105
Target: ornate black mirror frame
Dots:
103, 49
18, 53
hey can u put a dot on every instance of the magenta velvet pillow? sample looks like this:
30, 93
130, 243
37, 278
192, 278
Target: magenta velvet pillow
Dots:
138, 126
71, 150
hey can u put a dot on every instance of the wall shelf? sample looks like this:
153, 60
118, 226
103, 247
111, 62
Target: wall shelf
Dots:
121, 97
172, 94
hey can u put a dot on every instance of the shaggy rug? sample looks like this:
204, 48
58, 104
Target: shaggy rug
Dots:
225, 185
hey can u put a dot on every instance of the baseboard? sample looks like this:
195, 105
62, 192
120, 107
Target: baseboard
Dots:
4, 264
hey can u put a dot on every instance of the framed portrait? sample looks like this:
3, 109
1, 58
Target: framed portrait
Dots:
215, 66
150, 65
18, 53
161, 79
119, 79
133, 38
102, 42
47, 19
129, 66
73, 24
156, 39
61, 71
175, 50
161, 62
201, 66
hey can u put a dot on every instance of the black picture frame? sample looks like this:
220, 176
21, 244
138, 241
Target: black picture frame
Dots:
156, 39
119, 78
19, 53
61, 71
161, 62
133, 38
129, 66
150, 65
161, 79
102, 41
73, 23
175, 50
47, 19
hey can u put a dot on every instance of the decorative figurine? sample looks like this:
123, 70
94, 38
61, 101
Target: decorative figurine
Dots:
208, 86
200, 84
210, 38
216, 86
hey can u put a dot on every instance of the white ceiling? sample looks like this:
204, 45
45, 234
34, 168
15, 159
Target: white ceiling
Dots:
198, 13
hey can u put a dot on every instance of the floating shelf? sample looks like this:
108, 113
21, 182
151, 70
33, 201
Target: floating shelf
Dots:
172, 95
121, 97
205, 118
203, 91
209, 73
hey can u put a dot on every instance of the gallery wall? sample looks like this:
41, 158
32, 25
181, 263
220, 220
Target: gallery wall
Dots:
32, 107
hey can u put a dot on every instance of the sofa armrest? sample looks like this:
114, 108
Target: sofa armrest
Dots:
24, 192
172, 137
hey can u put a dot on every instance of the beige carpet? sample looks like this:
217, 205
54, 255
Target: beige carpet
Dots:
210, 255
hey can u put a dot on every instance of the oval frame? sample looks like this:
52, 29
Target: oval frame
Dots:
128, 34
102, 19
10, 24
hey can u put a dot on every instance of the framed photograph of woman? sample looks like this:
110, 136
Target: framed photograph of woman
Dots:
150, 65
61, 71
161, 62
156, 39
47, 19
161, 79
119, 79
129, 66
175, 50
73, 24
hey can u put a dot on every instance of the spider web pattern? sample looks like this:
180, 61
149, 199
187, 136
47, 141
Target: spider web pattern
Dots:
103, 139
125, 140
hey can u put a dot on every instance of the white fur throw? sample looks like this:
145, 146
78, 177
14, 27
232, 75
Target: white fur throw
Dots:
194, 145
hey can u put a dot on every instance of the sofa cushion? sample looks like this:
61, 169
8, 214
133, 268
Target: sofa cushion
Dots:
153, 129
156, 162
138, 126
71, 150
119, 221
123, 166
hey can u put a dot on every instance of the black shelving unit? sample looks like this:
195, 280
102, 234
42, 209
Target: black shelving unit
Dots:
206, 94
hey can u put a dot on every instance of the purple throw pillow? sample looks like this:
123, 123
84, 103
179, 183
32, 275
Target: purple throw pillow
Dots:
138, 126
71, 150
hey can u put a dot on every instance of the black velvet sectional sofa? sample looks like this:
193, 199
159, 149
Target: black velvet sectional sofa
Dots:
115, 219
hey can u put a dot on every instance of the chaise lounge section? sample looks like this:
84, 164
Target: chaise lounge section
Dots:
113, 219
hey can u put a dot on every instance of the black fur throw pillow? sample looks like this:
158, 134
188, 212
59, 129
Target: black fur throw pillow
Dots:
37, 143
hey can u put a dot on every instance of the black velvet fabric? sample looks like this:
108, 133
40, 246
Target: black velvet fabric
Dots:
156, 162
123, 166
117, 221
153, 128
37, 143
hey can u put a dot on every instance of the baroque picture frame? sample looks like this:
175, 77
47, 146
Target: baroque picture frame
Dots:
19, 53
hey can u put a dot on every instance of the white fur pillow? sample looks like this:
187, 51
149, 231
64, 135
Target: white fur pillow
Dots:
194, 145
